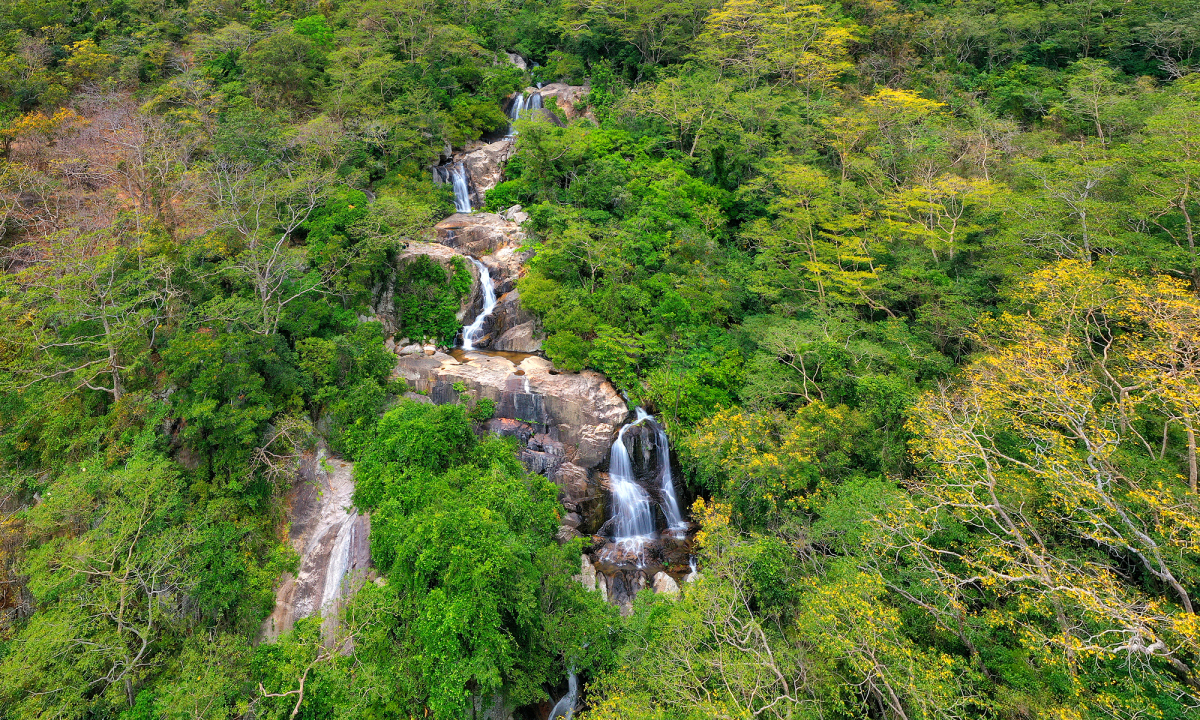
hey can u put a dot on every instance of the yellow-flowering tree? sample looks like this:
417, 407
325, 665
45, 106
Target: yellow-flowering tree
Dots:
1077, 524
799, 43
938, 214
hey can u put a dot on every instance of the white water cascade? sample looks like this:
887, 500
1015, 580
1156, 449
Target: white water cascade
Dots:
565, 707
489, 304
519, 105
634, 518
670, 504
633, 515
462, 194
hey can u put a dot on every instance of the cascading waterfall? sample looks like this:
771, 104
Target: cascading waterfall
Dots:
634, 518
565, 707
489, 304
670, 504
339, 563
462, 194
520, 104
633, 515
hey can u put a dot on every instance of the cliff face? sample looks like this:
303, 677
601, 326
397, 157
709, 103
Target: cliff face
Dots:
331, 538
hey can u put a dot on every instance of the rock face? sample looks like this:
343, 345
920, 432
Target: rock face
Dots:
479, 234
664, 584
566, 96
384, 303
517, 60
572, 416
332, 540
514, 329
496, 239
485, 168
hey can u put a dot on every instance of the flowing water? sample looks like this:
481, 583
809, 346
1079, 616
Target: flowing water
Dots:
670, 504
520, 104
632, 512
462, 194
565, 707
471, 332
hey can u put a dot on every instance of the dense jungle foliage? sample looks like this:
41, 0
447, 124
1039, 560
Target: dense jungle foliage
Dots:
913, 285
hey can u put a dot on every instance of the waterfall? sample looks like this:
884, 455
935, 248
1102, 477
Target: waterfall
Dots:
632, 512
670, 504
565, 707
339, 562
462, 195
634, 518
519, 105
489, 304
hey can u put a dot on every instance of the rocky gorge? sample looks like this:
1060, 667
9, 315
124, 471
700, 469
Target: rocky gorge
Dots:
569, 425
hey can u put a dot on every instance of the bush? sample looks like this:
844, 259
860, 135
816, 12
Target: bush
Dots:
484, 410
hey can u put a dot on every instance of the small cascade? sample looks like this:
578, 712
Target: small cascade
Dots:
634, 518
339, 563
489, 304
670, 504
565, 707
520, 104
462, 194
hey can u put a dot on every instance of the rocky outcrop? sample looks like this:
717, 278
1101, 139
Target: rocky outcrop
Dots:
479, 234
517, 60
384, 301
664, 584
565, 422
566, 97
496, 240
514, 329
485, 168
332, 541
579, 411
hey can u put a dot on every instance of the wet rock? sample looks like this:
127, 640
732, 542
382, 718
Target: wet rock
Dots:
332, 540
582, 411
478, 234
665, 585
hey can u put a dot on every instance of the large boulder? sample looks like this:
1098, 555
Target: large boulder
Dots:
514, 329
665, 585
566, 97
582, 411
479, 234
484, 167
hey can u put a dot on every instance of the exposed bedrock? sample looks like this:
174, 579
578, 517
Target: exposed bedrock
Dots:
495, 239
479, 233
566, 97
384, 302
332, 539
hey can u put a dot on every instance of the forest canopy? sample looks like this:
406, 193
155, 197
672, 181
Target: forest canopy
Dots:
914, 287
